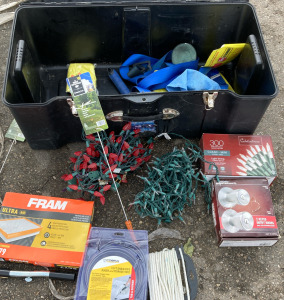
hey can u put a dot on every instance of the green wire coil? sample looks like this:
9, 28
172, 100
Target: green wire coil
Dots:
172, 184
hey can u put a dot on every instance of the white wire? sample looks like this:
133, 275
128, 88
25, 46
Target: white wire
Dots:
178, 275
113, 178
14, 142
164, 276
54, 291
56, 294
185, 275
1, 142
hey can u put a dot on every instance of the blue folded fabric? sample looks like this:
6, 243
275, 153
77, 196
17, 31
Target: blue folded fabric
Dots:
192, 80
161, 78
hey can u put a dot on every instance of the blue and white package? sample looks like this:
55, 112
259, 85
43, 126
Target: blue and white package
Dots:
114, 265
144, 126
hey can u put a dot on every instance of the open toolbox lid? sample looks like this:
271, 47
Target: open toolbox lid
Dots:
81, 2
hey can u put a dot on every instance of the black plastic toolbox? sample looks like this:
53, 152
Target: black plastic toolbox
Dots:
106, 33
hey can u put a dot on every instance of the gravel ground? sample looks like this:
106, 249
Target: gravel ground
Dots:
223, 273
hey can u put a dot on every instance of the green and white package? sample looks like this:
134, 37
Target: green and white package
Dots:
87, 103
14, 132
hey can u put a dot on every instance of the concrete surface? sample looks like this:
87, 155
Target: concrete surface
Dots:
223, 273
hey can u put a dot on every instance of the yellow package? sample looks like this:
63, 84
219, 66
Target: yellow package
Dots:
76, 69
223, 55
160, 91
229, 86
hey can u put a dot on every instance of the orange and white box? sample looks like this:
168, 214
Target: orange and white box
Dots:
43, 230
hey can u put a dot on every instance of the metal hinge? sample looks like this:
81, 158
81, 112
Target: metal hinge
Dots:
72, 107
115, 116
209, 100
170, 113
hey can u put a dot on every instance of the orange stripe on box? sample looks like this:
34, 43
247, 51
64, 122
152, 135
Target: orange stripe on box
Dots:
43, 256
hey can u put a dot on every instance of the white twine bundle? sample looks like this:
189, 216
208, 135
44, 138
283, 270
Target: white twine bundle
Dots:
164, 276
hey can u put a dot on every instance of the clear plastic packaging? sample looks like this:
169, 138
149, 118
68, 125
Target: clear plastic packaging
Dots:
114, 265
165, 233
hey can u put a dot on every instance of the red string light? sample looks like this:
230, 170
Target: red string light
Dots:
89, 171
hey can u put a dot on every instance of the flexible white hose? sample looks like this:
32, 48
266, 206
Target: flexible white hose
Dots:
164, 276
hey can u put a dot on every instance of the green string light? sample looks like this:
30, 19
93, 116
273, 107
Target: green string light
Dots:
172, 183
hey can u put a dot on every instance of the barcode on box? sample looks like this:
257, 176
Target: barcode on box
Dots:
101, 123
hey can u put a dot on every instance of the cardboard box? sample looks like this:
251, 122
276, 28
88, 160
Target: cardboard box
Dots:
44, 230
239, 155
243, 212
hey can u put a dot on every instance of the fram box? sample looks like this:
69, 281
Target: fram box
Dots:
239, 155
44, 230
243, 212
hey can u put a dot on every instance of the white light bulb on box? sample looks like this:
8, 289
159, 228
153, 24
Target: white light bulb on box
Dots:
234, 222
229, 198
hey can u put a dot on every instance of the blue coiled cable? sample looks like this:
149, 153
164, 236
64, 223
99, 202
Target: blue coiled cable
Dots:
127, 250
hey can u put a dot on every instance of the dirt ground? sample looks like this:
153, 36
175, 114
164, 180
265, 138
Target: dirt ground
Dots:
223, 273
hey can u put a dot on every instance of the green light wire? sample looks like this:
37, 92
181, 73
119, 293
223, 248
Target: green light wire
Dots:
172, 183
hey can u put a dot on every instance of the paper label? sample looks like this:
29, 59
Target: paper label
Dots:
223, 55
112, 278
165, 135
217, 152
147, 126
87, 103
14, 132
247, 243
61, 235
103, 182
259, 222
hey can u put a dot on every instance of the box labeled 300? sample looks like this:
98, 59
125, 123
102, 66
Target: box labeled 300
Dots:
239, 155
243, 212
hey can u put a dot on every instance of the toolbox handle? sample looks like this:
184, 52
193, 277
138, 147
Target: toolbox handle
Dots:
119, 116
143, 119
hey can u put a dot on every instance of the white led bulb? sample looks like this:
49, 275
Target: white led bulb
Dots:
234, 222
229, 198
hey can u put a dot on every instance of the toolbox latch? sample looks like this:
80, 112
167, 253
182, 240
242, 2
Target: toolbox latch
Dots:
72, 107
209, 99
